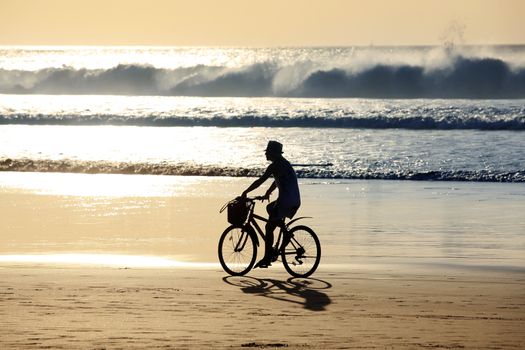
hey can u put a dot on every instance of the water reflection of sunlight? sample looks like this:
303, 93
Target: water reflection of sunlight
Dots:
112, 260
106, 185
175, 146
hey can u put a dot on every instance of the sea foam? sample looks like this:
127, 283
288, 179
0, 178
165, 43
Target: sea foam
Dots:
303, 171
420, 114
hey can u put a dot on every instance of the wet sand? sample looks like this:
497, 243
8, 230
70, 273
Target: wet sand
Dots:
130, 262
177, 217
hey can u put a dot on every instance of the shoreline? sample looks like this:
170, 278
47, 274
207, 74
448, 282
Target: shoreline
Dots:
358, 221
309, 171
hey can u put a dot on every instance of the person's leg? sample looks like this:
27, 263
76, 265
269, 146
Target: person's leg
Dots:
286, 236
273, 222
270, 227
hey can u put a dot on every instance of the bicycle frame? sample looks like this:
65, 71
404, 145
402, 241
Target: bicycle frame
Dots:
252, 223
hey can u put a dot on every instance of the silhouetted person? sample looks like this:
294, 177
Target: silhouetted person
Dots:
288, 200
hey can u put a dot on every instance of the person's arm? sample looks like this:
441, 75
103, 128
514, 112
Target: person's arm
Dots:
258, 182
273, 186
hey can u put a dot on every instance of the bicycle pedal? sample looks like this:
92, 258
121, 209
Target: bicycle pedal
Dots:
263, 264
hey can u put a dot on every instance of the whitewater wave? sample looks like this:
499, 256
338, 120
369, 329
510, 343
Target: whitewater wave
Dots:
450, 122
462, 77
303, 171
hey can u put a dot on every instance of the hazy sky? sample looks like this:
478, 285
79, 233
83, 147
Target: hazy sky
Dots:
260, 22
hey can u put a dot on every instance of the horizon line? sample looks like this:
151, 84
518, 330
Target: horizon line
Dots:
257, 46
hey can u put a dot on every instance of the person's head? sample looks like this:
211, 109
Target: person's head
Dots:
273, 150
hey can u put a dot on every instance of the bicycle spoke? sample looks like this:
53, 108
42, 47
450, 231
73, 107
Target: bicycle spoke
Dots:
237, 251
303, 252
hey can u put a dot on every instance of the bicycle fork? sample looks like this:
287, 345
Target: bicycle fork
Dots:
241, 242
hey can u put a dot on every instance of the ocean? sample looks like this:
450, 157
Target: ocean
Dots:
399, 113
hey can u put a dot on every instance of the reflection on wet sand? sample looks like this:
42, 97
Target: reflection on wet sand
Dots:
112, 260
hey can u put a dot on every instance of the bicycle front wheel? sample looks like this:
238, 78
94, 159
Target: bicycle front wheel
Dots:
302, 254
237, 251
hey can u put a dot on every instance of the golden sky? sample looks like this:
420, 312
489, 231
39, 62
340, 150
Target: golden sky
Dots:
260, 22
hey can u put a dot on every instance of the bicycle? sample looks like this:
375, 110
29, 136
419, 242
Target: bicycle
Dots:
298, 246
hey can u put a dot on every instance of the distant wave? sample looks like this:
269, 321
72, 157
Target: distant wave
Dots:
323, 172
479, 122
480, 78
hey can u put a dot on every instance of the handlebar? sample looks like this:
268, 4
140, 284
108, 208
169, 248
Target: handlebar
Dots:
248, 199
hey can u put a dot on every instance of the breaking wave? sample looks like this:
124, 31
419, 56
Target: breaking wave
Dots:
463, 77
451, 122
303, 171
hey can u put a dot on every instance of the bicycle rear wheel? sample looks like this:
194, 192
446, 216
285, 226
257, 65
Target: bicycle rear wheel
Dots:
302, 254
237, 251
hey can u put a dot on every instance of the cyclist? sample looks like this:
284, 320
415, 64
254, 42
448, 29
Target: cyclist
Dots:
287, 202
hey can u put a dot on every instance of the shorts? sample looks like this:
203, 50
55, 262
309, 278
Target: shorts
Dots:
276, 211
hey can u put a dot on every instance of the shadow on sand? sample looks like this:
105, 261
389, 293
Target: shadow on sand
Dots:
303, 291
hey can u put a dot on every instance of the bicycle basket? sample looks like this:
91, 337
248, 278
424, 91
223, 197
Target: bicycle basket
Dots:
237, 211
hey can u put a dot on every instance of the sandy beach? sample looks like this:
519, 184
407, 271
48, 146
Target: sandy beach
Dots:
108, 308
124, 262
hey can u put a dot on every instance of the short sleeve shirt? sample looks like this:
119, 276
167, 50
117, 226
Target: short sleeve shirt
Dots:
286, 180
